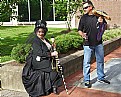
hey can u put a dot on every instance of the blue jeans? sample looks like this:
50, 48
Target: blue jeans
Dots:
99, 53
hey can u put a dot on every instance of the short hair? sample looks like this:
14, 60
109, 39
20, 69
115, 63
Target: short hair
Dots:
89, 3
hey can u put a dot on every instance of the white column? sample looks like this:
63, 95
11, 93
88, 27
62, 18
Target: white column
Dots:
54, 9
41, 9
29, 10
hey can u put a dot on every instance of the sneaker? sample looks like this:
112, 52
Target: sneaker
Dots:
103, 81
87, 84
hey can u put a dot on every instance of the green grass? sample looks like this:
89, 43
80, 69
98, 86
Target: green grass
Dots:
10, 36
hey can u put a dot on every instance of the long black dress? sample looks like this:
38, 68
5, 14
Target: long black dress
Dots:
37, 76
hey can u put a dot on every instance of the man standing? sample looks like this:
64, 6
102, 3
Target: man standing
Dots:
89, 28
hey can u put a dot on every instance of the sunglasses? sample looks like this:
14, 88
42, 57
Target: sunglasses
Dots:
86, 7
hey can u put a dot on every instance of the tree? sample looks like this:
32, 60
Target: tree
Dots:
61, 10
72, 8
67, 8
6, 7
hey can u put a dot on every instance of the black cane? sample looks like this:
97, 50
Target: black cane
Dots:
59, 66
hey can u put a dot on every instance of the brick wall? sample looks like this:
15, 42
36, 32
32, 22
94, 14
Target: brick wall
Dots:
111, 7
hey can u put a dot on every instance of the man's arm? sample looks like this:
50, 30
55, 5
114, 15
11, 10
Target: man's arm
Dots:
82, 34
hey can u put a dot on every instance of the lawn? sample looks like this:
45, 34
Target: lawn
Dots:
10, 36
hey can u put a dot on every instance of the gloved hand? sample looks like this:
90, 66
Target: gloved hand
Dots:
55, 53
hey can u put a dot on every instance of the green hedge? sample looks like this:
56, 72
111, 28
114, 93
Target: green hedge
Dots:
67, 42
64, 43
110, 34
20, 52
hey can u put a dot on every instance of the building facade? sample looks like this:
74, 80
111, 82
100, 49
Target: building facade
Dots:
111, 7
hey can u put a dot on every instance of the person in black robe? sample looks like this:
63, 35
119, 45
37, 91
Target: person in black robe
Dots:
38, 77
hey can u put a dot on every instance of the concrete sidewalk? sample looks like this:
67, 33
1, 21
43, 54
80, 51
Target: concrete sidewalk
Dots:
75, 89
113, 74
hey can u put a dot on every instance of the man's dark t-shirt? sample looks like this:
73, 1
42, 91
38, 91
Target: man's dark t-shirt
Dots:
88, 25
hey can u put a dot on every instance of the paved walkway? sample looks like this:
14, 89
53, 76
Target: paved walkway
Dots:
113, 74
76, 89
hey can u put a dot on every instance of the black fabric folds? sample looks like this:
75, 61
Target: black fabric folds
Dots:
37, 82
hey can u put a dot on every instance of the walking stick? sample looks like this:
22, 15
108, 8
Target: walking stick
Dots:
61, 70
57, 65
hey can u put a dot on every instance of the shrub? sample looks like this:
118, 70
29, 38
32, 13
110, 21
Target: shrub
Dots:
67, 42
64, 43
110, 34
20, 52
